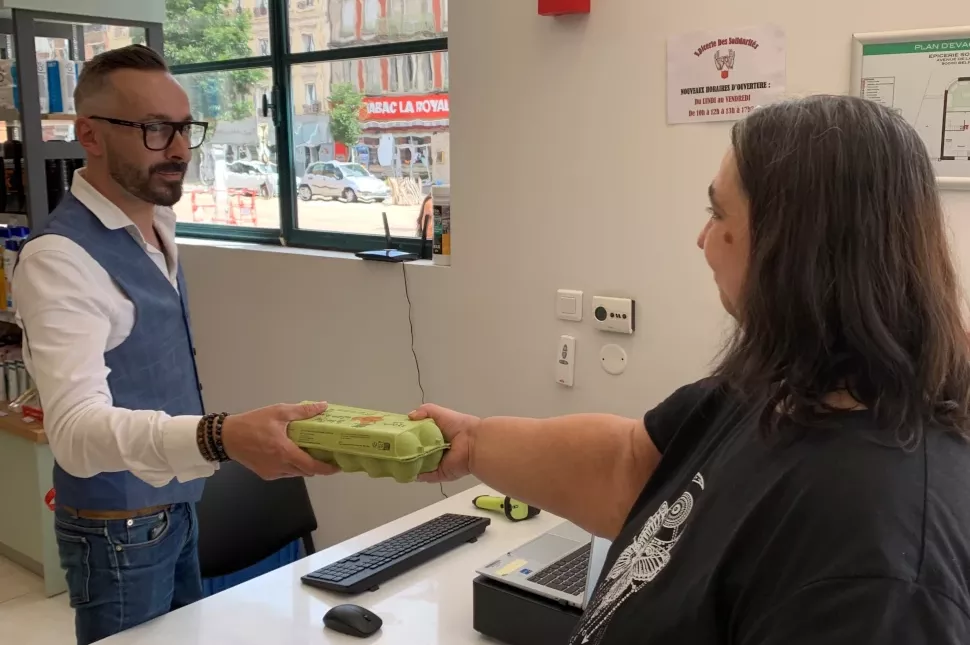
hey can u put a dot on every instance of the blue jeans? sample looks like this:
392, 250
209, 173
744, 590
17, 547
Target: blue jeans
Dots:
121, 573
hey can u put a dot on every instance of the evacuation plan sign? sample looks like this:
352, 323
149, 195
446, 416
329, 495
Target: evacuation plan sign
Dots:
928, 83
722, 75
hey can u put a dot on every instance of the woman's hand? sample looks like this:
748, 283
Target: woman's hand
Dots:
459, 430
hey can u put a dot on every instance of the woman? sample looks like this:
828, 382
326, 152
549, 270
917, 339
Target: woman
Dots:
816, 488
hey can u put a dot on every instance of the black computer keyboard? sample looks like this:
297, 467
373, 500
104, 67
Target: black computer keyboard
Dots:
369, 568
567, 574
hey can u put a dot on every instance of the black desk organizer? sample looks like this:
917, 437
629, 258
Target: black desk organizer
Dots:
517, 617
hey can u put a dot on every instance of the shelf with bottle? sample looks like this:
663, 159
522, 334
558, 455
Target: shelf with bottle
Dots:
11, 115
12, 239
26, 426
20, 410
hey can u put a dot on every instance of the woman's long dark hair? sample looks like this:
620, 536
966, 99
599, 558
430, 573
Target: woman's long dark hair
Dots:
851, 285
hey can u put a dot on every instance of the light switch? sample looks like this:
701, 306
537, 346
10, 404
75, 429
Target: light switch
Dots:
569, 305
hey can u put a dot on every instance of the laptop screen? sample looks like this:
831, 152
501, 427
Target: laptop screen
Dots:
597, 558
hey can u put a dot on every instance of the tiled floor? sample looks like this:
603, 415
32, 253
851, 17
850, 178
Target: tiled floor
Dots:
27, 616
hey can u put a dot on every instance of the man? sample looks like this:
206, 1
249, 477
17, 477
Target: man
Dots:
102, 304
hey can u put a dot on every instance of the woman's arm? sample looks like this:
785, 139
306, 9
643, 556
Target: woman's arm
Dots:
587, 468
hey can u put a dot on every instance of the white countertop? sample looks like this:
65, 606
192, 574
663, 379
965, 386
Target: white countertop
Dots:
429, 605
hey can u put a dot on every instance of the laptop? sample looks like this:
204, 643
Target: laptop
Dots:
562, 564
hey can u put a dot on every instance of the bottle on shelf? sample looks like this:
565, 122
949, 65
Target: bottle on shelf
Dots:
65, 175
58, 173
4, 287
18, 235
53, 184
3, 181
13, 160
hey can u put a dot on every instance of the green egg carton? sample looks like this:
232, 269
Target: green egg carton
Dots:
382, 444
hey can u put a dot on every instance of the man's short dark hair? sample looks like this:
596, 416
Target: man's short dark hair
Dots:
95, 72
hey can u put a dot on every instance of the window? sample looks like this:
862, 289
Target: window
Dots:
343, 71
218, 182
394, 75
242, 25
410, 73
348, 18
347, 23
366, 125
425, 73
373, 76
381, 146
97, 48
372, 14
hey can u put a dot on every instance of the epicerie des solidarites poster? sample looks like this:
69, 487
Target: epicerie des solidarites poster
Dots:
722, 75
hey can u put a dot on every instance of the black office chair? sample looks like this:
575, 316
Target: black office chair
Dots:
244, 519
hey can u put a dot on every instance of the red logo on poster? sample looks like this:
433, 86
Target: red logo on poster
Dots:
724, 63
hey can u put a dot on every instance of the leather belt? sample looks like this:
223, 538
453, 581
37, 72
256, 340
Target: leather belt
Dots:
116, 515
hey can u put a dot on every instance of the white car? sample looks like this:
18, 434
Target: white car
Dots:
350, 182
253, 175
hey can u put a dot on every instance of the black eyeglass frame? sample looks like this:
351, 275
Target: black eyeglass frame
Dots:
177, 127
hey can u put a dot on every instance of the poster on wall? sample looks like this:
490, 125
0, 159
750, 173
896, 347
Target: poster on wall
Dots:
722, 75
924, 76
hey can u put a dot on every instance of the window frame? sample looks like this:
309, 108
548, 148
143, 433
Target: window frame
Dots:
282, 62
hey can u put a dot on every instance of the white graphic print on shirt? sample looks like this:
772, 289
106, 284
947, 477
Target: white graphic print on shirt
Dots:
637, 565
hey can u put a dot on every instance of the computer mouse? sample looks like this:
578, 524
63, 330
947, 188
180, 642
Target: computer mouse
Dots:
352, 620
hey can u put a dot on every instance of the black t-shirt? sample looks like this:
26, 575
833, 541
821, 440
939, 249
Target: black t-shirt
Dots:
831, 536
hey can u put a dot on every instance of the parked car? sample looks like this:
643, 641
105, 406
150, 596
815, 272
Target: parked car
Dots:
339, 180
253, 175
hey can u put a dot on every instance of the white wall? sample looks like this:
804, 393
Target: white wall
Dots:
564, 175
146, 10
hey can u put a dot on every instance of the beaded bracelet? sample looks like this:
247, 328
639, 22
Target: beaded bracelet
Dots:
201, 438
217, 437
209, 437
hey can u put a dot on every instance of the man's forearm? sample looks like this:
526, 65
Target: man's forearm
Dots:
586, 468
90, 439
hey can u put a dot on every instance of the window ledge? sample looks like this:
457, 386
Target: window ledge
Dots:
289, 250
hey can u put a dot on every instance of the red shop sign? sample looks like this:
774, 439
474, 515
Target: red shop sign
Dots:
397, 108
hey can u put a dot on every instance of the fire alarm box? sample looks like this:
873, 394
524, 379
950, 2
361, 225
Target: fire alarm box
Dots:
563, 7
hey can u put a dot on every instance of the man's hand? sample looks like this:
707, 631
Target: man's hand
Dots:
258, 441
459, 430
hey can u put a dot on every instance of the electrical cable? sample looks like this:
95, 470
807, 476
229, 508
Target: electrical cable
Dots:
414, 352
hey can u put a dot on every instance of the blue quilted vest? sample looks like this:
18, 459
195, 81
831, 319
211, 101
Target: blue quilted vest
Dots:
153, 369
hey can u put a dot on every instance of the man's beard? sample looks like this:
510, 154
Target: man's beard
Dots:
147, 185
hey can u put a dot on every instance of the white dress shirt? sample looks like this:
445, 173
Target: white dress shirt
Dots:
72, 312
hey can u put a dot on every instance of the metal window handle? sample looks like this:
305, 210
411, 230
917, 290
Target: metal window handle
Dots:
267, 106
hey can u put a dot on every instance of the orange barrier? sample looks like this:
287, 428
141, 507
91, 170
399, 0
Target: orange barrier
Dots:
241, 203
199, 211
239, 210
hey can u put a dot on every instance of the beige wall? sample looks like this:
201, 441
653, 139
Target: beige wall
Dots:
565, 175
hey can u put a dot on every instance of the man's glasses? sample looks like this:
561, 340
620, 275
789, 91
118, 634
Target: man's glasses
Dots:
158, 135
